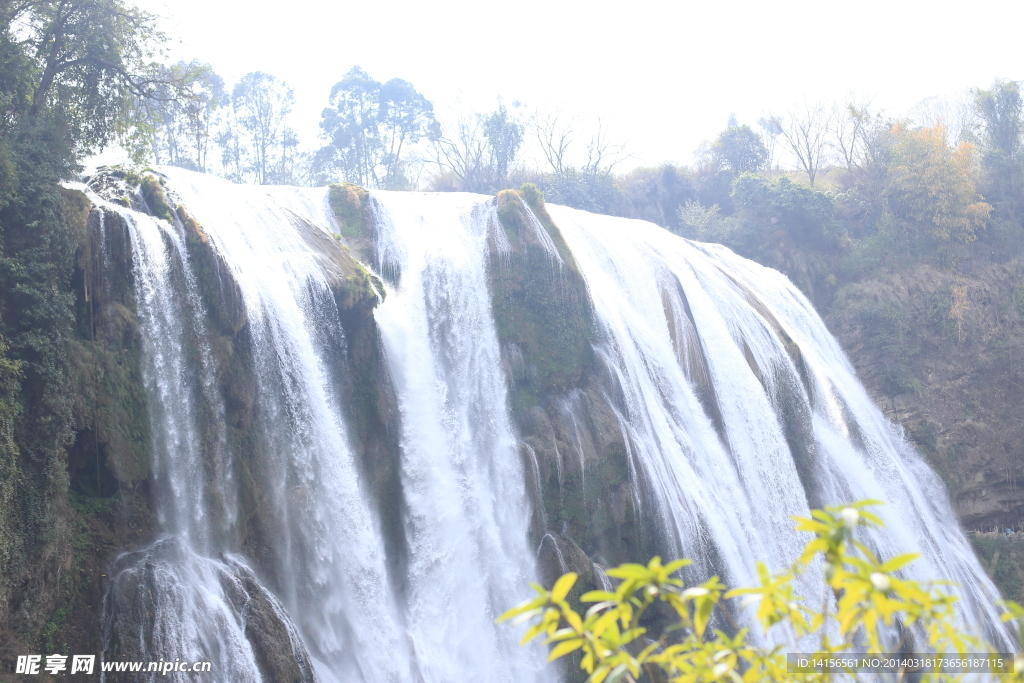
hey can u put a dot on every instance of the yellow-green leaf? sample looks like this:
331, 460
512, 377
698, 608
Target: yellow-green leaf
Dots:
563, 586
565, 648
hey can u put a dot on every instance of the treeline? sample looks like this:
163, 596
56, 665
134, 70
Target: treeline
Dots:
870, 191
378, 135
855, 173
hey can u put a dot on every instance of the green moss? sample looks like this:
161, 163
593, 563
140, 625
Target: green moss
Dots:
511, 214
55, 624
360, 288
218, 290
541, 308
534, 198
76, 207
1002, 557
156, 199
351, 209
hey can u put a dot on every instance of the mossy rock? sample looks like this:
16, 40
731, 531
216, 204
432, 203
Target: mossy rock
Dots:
350, 204
76, 207
542, 309
221, 296
152, 190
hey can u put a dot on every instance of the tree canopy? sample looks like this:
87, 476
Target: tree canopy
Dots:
369, 125
80, 65
931, 191
740, 150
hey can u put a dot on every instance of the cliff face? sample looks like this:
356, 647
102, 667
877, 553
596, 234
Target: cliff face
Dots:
943, 355
572, 447
941, 351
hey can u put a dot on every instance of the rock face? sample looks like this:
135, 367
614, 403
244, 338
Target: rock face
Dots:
564, 405
113, 440
943, 355
141, 603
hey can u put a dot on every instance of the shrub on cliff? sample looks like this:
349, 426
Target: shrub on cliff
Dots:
869, 604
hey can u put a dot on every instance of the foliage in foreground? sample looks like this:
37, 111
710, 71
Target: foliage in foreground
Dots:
869, 602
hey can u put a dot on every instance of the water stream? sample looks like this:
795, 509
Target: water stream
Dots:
738, 407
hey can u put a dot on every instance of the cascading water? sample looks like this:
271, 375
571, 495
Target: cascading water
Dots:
737, 408
740, 406
328, 552
194, 605
462, 476
468, 553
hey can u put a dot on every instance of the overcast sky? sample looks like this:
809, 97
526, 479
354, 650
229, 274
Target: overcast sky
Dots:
663, 76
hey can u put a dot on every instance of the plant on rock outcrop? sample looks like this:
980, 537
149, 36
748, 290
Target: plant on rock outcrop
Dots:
867, 606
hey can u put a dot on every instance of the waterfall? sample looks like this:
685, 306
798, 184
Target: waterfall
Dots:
284, 530
463, 479
328, 551
742, 411
169, 600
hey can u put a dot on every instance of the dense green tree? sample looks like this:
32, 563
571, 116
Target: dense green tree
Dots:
369, 126
82, 65
766, 209
1002, 152
656, 194
72, 76
931, 191
504, 138
740, 150
1002, 112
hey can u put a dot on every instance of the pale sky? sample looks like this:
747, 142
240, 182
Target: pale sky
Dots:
663, 76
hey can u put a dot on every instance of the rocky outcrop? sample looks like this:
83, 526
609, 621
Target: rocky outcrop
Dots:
150, 592
942, 353
565, 406
110, 460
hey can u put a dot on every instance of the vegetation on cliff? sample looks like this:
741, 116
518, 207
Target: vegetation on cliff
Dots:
621, 639
72, 76
911, 250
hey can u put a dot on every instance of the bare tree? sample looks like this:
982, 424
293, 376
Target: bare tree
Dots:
554, 132
602, 155
770, 138
861, 139
958, 115
805, 133
852, 124
463, 153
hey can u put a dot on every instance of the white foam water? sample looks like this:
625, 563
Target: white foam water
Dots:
679, 317
739, 411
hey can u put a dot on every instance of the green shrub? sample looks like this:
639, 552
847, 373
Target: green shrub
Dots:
869, 600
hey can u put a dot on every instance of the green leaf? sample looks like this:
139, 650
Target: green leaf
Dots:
565, 648
630, 571
898, 562
673, 567
617, 673
532, 633
574, 620
563, 586
521, 608
597, 596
